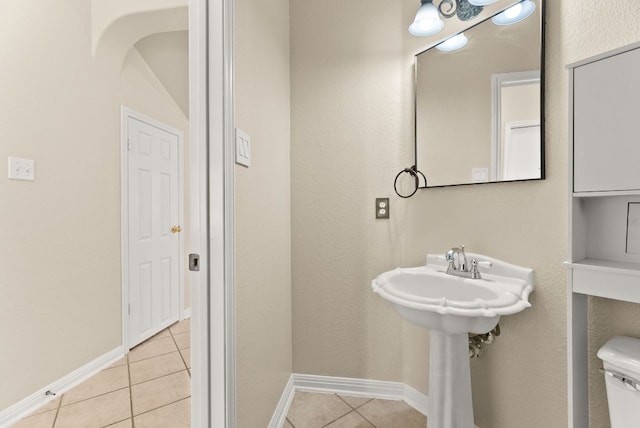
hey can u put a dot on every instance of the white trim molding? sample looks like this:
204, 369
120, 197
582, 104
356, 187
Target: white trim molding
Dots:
39, 398
348, 386
219, 147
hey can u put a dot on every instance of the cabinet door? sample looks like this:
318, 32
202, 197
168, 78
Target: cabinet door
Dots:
607, 124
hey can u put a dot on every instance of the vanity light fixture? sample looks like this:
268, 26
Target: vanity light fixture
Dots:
427, 21
453, 43
515, 13
428, 18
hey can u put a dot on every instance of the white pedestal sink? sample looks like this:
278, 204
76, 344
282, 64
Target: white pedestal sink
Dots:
451, 307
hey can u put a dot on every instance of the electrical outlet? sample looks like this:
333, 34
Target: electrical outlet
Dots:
21, 169
382, 207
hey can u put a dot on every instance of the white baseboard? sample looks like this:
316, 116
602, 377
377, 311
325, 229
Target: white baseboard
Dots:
186, 313
39, 398
347, 386
279, 415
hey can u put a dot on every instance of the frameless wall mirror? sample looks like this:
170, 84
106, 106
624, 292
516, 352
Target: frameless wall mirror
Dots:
479, 109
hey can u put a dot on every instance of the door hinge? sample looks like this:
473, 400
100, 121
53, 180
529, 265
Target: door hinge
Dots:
194, 262
128, 145
129, 308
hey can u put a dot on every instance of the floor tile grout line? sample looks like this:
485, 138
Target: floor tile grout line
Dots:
338, 418
164, 405
355, 407
365, 418
159, 377
55, 418
183, 360
133, 424
117, 422
91, 398
180, 350
154, 356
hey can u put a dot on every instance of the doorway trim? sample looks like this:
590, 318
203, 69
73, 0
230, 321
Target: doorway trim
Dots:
126, 114
211, 150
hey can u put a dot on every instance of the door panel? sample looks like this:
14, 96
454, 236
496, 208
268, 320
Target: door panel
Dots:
154, 208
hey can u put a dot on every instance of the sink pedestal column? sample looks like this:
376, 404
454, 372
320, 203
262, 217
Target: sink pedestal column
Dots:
450, 404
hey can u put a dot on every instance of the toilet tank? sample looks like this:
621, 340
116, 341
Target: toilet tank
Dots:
621, 360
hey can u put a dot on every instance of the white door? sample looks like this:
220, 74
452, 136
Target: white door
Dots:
154, 195
521, 158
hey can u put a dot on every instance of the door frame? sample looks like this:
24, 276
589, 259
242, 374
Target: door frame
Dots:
211, 147
126, 114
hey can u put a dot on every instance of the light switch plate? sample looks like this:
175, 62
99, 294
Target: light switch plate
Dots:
243, 148
21, 169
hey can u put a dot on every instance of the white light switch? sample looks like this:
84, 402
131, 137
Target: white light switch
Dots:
243, 148
21, 169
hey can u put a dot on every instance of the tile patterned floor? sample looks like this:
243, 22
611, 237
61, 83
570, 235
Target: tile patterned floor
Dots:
150, 387
313, 410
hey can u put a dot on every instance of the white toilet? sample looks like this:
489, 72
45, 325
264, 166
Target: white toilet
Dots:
621, 358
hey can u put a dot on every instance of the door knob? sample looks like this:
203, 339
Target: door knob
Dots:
176, 229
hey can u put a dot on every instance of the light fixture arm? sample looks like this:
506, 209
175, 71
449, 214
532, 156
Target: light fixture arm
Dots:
451, 10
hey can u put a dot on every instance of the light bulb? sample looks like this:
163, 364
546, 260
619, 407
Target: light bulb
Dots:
453, 43
481, 2
427, 21
515, 13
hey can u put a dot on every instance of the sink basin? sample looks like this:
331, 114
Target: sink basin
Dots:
452, 306
429, 297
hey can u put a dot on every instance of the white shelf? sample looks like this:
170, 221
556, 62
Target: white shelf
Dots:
631, 192
604, 278
606, 266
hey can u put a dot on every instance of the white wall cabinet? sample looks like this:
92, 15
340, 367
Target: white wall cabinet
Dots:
604, 200
606, 119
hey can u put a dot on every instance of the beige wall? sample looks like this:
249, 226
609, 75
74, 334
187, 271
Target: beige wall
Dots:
351, 130
60, 288
262, 204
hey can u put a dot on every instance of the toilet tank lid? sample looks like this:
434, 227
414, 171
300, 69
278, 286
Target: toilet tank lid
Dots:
623, 352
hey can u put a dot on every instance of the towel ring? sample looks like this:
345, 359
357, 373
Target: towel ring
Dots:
413, 171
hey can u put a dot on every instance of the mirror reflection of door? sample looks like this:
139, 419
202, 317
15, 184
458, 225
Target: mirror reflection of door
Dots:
515, 144
521, 151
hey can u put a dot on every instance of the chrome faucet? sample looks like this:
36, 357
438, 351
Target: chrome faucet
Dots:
461, 268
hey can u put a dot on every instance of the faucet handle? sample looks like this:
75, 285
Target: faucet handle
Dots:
475, 273
451, 259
